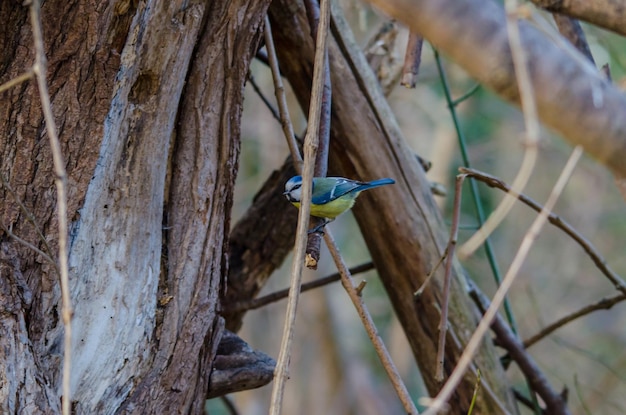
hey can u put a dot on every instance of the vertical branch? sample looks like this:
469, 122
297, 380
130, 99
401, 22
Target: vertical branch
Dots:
310, 150
454, 229
39, 69
321, 161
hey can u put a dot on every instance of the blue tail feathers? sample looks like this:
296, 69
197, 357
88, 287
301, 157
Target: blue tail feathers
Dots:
376, 183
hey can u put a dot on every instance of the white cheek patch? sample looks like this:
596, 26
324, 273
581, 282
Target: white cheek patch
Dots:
296, 194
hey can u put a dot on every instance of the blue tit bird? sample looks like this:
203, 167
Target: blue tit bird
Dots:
331, 196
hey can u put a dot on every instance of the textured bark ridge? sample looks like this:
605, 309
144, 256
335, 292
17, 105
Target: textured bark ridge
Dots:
147, 100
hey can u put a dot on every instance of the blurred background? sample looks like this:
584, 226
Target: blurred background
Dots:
334, 369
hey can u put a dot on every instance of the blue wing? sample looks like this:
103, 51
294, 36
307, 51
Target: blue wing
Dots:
330, 188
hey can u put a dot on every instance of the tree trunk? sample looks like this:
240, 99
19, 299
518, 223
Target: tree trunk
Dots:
147, 99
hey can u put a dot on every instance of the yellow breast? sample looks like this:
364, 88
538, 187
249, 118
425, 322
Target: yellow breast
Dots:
332, 209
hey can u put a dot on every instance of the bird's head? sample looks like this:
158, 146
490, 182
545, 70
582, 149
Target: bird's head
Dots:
293, 189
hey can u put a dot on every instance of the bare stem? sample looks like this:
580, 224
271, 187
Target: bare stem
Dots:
454, 230
279, 90
279, 295
430, 275
31, 218
370, 328
39, 69
310, 149
603, 304
558, 222
17, 80
537, 381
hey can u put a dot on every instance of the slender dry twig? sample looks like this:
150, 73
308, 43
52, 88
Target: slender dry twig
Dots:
555, 220
524, 400
603, 304
310, 150
17, 80
472, 346
29, 217
420, 290
27, 244
314, 241
261, 95
279, 295
370, 328
454, 230
531, 122
39, 69
279, 91
281, 371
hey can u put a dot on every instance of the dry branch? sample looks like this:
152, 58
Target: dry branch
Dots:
510, 342
609, 14
557, 221
572, 97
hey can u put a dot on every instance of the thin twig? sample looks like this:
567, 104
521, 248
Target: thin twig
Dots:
420, 290
443, 323
509, 278
370, 328
603, 304
39, 69
314, 241
557, 221
466, 95
524, 400
279, 91
261, 95
310, 150
31, 218
279, 295
511, 343
531, 122
17, 80
29, 246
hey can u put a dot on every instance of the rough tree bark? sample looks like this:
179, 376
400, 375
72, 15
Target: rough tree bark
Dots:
147, 98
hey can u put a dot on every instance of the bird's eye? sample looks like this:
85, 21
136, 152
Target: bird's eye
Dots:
297, 186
